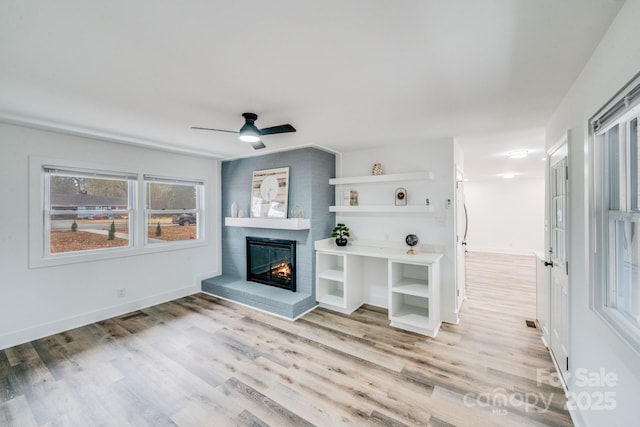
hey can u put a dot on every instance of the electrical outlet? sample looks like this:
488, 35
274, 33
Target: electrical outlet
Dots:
122, 292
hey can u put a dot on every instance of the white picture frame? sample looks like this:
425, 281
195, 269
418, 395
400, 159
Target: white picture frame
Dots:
270, 193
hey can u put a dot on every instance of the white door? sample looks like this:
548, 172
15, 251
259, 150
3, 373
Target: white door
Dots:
461, 224
559, 287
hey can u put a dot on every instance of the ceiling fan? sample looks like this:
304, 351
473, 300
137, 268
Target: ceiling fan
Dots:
250, 133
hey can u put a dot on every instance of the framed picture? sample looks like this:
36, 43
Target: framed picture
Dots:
270, 193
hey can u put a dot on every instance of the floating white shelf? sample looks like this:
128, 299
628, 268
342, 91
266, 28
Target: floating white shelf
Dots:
335, 300
383, 208
371, 179
414, 287
414, 316
276, 223
335, 275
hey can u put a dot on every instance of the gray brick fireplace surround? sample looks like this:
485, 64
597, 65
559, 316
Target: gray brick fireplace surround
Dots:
309, 173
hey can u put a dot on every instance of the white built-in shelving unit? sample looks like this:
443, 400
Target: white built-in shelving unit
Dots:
414, 296
413, 282
336, 283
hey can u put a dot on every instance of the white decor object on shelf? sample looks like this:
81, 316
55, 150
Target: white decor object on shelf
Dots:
296, 212
234, 210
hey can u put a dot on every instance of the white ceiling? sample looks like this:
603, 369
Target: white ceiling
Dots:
348, 74
487, 157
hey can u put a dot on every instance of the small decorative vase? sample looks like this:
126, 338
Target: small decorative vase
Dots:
377, 169
297, 212
234, 210
341, 241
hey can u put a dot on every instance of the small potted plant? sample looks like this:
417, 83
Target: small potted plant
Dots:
340, 232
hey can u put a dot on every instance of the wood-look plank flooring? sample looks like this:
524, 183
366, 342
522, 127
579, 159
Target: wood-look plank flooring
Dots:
202, 361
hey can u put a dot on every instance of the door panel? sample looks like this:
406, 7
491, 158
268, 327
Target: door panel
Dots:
461, 224
559, 286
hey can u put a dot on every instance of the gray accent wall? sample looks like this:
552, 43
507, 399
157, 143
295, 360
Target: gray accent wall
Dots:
309, 173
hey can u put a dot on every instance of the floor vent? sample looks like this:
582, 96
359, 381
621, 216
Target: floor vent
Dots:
530, 323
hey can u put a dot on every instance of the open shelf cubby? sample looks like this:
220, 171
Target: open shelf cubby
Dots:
414, 297
331, 292
411, 310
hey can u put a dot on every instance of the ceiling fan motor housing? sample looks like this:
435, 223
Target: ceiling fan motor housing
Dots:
250, 117
249, 132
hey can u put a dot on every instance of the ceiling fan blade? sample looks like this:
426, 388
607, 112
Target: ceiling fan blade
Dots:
277, 129
217, 130
257, 145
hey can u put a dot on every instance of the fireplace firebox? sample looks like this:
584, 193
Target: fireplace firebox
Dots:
272, 262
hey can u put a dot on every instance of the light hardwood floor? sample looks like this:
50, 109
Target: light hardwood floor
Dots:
201, 361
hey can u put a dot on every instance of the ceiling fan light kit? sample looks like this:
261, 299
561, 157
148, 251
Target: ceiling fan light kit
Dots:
249, 136
250, 133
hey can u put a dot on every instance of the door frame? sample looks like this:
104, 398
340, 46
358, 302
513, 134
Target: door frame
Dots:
461, 277
561, 150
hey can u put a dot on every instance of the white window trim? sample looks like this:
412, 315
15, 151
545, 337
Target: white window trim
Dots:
36, 212
599, 218
199, 211
131, 212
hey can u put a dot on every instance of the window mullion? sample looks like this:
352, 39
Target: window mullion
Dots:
634, 166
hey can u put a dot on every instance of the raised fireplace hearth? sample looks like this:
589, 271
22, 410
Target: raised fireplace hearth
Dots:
272, 262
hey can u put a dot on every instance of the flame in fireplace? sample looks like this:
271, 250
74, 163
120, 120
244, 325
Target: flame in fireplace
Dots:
282, 271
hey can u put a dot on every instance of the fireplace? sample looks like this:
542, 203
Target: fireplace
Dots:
272, 262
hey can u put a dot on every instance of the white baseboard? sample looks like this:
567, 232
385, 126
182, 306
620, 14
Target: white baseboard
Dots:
451, 318
575, 414
577, 418
61, 325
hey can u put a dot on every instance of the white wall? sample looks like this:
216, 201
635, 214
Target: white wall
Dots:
505, 215
592, 345
435, 229
36, 302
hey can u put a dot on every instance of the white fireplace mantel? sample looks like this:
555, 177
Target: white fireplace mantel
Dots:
274, 223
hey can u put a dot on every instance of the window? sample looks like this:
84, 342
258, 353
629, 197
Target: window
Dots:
616, 216
173, 210
87, 210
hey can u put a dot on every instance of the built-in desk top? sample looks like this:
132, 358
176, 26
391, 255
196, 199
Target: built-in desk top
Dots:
378, 249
